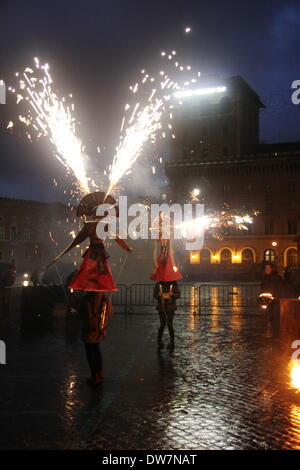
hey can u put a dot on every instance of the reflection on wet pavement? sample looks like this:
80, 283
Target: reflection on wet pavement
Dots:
226, 386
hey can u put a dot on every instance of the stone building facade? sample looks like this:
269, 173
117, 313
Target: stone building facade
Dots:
218, 153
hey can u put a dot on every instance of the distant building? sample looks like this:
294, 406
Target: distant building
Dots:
31, 233
217, 151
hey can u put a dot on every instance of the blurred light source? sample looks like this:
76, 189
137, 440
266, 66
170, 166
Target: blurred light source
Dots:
274, 243
200, 91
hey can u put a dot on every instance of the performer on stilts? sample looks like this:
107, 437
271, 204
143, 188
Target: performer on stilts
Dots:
166, 290
94, 276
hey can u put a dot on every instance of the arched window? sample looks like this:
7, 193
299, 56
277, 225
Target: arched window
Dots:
205, 256
247, 256
269, 255
194, 257
226, 256
291, 258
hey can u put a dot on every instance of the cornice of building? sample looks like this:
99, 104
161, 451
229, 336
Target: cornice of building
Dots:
263, 158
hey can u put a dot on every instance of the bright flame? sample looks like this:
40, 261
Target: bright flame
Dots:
295, 373
49, 116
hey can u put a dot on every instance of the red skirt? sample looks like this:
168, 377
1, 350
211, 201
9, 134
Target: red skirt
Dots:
165, 270
89, 279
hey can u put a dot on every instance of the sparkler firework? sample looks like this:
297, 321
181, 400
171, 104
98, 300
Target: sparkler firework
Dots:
216, 224
51, 117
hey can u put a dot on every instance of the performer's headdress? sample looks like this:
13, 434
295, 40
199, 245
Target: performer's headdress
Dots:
89, 203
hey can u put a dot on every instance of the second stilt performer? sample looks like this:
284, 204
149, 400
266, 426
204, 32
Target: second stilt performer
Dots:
166, 289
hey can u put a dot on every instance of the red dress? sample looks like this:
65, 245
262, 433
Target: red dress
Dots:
90, 277
94, 274
166, 269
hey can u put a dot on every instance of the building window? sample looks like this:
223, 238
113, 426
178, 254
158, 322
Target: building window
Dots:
268, 187
226, 188
2, 233
292, 186
248, 188
13, 233
1, 219
269, 227
204, 131
291, 258
292, 206
1, 256
26, 256
225, 257
13, 219
269, 255
292, 227
247, 256
27, 234
194, 257
269, 207
205, 256
225, 151
225, 130
205, 152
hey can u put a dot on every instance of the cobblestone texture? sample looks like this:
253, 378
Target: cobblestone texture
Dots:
226, 386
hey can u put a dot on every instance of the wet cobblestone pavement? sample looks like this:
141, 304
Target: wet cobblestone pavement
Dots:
226, 386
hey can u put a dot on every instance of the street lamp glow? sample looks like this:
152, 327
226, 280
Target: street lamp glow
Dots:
200, 91
188, 29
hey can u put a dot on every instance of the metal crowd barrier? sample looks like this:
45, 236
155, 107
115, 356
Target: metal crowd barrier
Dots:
228, 295
193, 299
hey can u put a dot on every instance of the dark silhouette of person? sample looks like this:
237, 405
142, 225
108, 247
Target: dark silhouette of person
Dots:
34, 278
272, 283
166, 293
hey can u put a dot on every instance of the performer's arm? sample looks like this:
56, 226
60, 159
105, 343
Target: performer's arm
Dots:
156, 294
122, 244
80, 237
176, 291
171, 252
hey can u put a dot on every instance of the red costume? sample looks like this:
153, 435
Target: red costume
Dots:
166, 269
94, 273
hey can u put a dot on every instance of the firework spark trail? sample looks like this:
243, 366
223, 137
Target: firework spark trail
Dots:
216, 223
145, 125
49, 116
145, 122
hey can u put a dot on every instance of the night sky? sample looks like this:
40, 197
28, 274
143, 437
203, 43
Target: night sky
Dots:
96, 49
